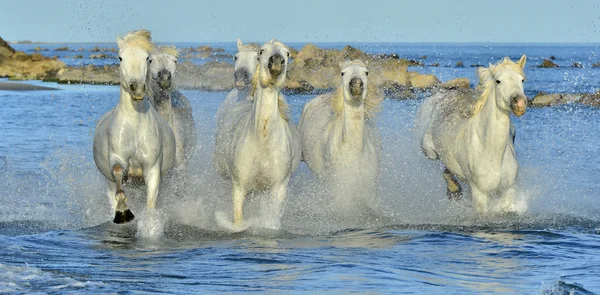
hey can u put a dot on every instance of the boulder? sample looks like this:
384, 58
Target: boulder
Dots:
422, 81
435, 64
577, 65
99, 55
596, 65
459, 64
457, 83
547, 64
18, 65
62, 49
543, 99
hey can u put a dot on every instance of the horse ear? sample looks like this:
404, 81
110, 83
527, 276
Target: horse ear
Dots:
120, 42
239, 44
272, 41
522, 61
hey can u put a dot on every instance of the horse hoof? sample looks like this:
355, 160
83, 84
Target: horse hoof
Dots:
124, 216
454, 196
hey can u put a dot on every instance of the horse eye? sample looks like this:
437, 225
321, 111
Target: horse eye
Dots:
120, 58
261, 52
288, 54
149, 61
367, 73
342, 74
175, 62
235, 58
522, 80
497, 81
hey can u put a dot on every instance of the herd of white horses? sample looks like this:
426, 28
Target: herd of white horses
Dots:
151, 131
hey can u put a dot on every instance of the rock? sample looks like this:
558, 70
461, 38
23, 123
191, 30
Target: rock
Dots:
457, 83
414, 63
62, 49
577, 65
459, 64
552, 57
423, 57
213, 76
78, 56
38, 48
422, 81
222, 55
477, 66
547, 64
592, 99
435, 64
89, 74
596, 65
17, 65
293, 52
100, 55
543, 99
80, 49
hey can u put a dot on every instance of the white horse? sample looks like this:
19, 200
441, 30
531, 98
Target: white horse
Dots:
259, 146
339, 139
132, 139
245, 62
470, 131
172, 106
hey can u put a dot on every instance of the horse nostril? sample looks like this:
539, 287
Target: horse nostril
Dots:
132, 87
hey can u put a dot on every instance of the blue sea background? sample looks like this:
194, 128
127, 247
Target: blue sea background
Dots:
56, 234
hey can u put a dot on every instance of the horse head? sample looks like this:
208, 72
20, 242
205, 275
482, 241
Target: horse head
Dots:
507, 78
273, 60
162, 63
134, 50
354, 81
245, 64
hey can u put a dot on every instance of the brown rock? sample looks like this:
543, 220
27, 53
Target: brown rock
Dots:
459, 64
422, 81
62, 49
543, 99
547, 64
457, 83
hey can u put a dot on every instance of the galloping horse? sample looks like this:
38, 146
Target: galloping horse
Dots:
472, 134
132, 139
258, 143
339, 139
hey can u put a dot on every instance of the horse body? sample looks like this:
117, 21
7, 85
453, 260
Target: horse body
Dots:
172, 106
339, 140
471, 133
132, 139
257, 145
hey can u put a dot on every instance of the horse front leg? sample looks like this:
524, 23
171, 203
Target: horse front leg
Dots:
480, 199
278, 194
238, 194
506, 204
122, 212
152, 179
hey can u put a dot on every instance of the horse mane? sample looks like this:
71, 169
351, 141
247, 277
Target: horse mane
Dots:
170, 50
141, 39
284, 108
372, 101
486, 81
250, 47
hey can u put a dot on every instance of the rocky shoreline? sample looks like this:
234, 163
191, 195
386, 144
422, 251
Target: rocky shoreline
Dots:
312, 70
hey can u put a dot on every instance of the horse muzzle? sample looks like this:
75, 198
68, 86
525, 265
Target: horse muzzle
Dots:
242, 79
356, 86
276, 65
164, 79
518, 105
137, 91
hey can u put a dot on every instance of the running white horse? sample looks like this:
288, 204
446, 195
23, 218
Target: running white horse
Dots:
172, 106
260, 146
470, 132
245, 62
339, 139
132, 139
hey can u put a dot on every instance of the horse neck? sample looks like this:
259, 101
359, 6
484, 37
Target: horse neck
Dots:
162, 102
131, 108
353, 125
492, 125
266, 109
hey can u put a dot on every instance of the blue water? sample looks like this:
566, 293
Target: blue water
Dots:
56, 234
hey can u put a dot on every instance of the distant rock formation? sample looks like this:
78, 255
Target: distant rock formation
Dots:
17, 65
